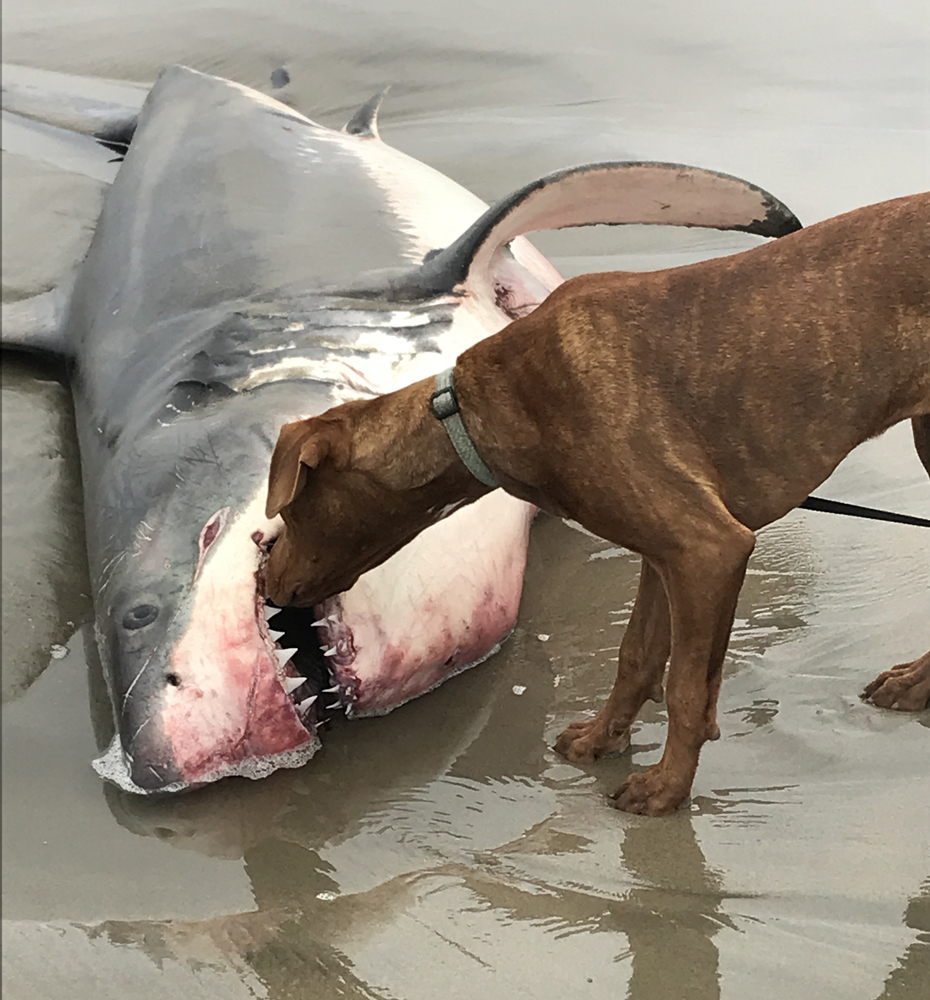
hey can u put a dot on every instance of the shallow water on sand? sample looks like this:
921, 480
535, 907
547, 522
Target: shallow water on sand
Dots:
445, 851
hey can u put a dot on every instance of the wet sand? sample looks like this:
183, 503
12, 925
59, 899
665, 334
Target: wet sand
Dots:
445, 851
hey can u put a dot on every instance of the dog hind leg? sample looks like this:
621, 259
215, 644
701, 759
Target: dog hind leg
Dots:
703, 577
641, 663
906, 687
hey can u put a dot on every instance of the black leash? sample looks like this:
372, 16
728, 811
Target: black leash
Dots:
854, 510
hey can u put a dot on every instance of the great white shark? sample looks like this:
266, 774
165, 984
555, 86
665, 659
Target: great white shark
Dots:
251, 267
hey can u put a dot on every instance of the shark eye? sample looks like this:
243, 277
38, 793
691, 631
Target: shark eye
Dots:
140, 616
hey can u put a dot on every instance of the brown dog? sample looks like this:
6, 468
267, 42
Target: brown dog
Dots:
673, 413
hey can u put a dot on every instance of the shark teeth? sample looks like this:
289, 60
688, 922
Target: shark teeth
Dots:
322, 621
330, 652
270, 612
333, 690
275, 635
284, 655
291, 684
306, 703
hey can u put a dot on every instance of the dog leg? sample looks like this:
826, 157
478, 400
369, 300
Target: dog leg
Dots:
905, 687
643, 653
703, 580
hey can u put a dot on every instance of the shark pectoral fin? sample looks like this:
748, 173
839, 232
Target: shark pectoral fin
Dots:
364, 122
104, 109
616, 193
72, 152
36, 324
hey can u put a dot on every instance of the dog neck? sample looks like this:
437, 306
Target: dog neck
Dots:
400, 445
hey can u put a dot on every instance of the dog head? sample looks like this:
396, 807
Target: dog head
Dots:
340, 519
310, 549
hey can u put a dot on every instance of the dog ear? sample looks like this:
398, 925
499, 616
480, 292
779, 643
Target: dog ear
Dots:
288, 473
303, 445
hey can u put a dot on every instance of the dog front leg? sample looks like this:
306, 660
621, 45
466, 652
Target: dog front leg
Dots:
703, 582
905, 687
641, 663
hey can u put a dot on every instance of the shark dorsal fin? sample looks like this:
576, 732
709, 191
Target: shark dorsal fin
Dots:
364, 122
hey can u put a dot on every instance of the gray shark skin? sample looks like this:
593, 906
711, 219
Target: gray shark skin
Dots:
251, 267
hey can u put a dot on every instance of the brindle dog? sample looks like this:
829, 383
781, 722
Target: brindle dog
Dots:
674, 413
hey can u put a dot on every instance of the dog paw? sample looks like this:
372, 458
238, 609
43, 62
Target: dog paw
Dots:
584, 741
650, 793
905, 687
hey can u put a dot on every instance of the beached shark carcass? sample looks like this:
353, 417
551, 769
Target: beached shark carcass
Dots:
249, 268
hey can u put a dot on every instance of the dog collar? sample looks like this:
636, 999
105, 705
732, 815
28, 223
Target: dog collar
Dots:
445, 406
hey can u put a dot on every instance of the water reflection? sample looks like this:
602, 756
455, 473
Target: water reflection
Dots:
279, 956
909, 978
672, 941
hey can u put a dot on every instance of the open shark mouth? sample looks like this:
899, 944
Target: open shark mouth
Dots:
323, 673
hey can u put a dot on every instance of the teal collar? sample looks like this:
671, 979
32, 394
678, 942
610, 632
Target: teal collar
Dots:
445, 406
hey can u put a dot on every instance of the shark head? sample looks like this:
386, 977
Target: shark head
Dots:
202, 685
